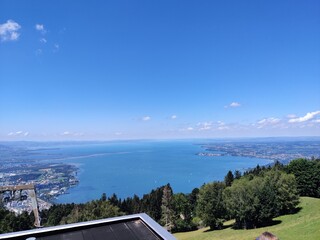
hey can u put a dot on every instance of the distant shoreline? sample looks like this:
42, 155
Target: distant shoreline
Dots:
137, 167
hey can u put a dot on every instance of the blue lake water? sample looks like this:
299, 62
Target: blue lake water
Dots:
137, 167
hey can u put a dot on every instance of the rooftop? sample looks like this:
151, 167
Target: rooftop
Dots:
137, 226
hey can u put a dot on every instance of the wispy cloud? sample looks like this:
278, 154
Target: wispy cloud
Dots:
272, 124
9, 31
18, 134
213, 126
73, 134
173, 117
43, 40
146, 118
233, 105
291, 121
307, 117
271, 121
39, 51
202, 126
40, 28
56, 47
222, 126
186, 129
291, 116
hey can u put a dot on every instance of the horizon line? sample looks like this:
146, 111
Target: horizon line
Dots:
163, 139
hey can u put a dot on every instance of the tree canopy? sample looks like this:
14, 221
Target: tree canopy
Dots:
252, 199
254, 202
210, 207
307, 173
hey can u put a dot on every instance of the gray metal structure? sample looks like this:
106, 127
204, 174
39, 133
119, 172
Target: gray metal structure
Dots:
32, 194
131, 227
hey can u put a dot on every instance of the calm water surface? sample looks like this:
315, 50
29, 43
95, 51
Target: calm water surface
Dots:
128, 168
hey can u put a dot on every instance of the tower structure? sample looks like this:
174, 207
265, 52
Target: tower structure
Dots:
32, 194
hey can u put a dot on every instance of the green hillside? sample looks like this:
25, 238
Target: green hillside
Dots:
303, 225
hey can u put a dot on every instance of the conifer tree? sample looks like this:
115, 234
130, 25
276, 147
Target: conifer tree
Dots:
228, 179
237, 174
166, 208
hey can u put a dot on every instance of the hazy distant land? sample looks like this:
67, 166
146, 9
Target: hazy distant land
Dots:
278, 150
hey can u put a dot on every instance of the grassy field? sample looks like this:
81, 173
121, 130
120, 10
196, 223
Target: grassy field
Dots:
303, 225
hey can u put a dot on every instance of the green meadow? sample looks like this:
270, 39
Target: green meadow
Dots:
305, 224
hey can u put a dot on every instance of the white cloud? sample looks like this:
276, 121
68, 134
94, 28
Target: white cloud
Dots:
305, 118
118, 133
9, 31
43, 40
271, 121
40, 28
18, 134
235, 104
208, 127
14, 36
204, 126
146, 118
174, 117
74, 134
213, 126
223, 128
186, 129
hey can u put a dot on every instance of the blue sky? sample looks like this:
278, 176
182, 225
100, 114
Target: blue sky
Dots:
99, 70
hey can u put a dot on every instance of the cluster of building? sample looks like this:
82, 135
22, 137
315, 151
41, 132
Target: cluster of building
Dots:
50, 179
20, 206
277, 151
